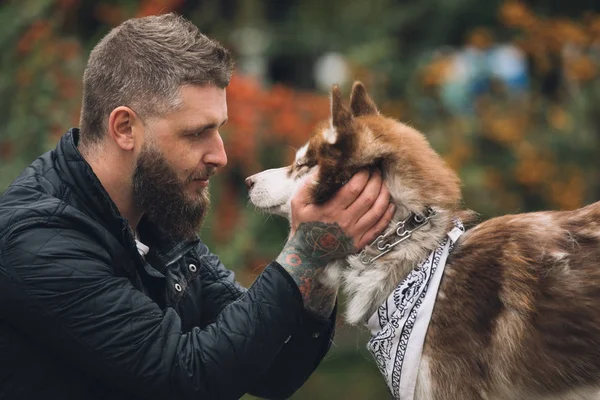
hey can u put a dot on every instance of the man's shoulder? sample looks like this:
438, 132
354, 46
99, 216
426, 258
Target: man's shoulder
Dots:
41, 213
41, 175
47, 233
36, 195
41, 196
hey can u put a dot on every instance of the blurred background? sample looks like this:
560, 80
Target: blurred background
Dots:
507, 91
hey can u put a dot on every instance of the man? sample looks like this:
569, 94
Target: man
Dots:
105, 290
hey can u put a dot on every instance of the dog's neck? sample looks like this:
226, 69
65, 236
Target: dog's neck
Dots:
367, 285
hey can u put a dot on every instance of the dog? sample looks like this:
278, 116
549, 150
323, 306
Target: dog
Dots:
517, 310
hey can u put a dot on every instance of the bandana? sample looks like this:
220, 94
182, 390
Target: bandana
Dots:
399, 325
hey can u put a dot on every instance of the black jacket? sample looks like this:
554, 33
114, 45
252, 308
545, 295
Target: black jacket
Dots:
84, 316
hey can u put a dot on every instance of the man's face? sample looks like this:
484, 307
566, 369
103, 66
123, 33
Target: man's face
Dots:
180, 152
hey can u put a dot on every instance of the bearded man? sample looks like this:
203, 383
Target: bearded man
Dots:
107, 292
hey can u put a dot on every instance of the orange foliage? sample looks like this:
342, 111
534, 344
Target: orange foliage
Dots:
458, 154
516, 14
109, 14
505, 129
556, 48
593, 25
581, 68
568, 193
559, 119
545, 38
436, 72
567, 31
156, 7
114, 14
480, 38
6, 149
261, 117
534, 165
38, 32
533, 171
46, 59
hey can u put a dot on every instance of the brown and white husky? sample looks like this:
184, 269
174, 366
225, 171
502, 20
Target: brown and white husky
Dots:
517, 313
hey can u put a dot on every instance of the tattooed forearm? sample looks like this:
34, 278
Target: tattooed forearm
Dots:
305, 256
305, 270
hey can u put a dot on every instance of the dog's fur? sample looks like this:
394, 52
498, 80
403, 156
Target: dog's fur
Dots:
517, 315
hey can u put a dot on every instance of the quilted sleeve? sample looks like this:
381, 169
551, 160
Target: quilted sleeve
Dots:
58, 288
298, 359
304, 348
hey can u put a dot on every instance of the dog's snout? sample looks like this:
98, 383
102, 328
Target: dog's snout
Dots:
249, 182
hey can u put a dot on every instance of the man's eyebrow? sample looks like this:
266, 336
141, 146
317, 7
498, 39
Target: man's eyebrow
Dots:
200, 128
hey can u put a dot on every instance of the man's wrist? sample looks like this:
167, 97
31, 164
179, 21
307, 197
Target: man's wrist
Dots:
306, 272
294, 255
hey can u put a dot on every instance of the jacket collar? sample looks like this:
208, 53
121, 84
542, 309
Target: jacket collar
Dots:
78, 174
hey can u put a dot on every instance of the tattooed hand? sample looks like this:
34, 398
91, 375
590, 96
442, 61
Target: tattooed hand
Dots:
333, 230
320, 241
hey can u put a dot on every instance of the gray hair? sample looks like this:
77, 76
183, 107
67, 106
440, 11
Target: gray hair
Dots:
142, 64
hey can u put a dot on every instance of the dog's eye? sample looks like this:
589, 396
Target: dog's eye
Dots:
300, 169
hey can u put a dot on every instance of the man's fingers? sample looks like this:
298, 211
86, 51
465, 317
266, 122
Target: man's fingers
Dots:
378, 228
351, 190
368, 196
374, 214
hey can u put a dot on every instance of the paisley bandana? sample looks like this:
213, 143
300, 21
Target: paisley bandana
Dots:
399, 325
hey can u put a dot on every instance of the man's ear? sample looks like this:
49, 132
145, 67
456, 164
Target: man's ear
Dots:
123, 124
360, 102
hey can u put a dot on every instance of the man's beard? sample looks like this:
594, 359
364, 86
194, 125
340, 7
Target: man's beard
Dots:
162, 195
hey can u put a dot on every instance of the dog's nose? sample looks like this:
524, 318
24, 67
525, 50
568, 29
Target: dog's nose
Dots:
249, 183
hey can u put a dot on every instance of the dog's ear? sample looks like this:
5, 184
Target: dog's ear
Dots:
341, 117
360, 102
342, 123
335, 154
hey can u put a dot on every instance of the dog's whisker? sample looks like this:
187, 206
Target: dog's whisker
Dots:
265, 221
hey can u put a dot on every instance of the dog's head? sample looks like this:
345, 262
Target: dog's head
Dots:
359, 137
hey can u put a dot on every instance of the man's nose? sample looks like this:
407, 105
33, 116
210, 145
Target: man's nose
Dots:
216, 155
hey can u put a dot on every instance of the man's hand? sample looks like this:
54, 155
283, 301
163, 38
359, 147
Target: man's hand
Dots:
345, 224
354, 217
